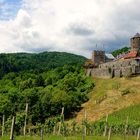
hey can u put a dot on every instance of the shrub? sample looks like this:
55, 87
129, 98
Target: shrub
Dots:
125, 91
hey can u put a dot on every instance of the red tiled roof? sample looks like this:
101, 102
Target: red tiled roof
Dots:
131, 55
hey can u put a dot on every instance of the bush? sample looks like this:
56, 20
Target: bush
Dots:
125, 91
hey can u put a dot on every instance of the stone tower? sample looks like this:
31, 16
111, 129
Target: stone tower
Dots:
135, 43
98, 57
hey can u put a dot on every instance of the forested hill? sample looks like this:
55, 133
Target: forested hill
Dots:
15, 62
46, 81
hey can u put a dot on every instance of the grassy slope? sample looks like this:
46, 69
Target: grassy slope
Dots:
108, 95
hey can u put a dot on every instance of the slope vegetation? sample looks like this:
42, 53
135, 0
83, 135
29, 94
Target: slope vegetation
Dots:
111, 95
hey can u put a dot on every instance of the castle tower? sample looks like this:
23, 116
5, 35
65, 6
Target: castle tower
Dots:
98, 57
135, 43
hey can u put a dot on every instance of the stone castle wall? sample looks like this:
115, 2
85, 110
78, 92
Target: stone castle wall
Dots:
101, 73
122, 68
98, 57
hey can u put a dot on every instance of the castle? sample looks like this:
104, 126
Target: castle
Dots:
105, 66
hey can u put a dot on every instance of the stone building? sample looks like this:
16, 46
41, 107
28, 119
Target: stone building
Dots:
135, 43
108, 67
98, 57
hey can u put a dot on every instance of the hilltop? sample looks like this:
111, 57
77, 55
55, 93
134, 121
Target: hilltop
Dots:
16, 62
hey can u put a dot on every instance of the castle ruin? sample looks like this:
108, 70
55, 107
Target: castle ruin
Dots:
124, 65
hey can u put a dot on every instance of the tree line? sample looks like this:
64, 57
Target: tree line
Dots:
17, 62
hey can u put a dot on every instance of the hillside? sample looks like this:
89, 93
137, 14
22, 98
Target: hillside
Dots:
15, 62
111, 95
46, 82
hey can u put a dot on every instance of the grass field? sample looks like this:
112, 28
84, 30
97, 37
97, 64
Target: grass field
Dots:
71, 138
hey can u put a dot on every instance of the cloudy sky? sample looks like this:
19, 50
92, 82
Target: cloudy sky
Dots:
75, 26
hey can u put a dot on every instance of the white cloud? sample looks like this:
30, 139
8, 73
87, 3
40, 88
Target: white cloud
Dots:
70, 25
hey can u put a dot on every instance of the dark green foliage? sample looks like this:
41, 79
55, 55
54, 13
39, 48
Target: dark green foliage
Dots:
120, 51
37, 62
32, 80
46, 98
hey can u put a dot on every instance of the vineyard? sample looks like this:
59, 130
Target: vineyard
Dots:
132, 112
121, 125
71, 138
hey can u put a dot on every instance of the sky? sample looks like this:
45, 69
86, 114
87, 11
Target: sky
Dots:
74, 26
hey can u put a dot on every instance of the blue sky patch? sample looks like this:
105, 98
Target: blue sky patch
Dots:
9, 8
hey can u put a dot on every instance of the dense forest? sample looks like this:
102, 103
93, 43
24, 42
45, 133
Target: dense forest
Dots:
46, 81
40, 62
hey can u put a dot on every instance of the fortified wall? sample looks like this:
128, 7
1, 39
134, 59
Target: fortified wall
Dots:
123, 66
117, 69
